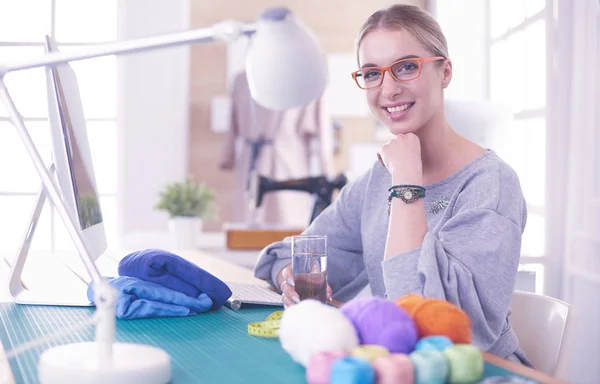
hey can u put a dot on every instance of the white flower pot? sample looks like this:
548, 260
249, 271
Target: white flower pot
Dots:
184, 231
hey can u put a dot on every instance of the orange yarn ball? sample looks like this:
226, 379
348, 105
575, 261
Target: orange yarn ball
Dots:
410, 302
435, 317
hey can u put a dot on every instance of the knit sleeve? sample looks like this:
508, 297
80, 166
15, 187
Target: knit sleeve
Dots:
472, 259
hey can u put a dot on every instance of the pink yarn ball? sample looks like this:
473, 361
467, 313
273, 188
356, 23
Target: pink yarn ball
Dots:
319, 366
381, 322
394, 369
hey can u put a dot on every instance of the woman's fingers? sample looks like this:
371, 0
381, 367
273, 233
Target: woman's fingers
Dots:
288, 277
289, 295
287, 302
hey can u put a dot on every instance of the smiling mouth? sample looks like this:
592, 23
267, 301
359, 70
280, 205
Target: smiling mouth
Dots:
398, 108
398, 113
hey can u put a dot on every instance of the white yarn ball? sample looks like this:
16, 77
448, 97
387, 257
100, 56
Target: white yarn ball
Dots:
311, 326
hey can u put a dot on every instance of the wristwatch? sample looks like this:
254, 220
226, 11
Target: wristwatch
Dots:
407, 193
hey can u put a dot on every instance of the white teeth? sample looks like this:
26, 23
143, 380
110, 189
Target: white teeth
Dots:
399, 108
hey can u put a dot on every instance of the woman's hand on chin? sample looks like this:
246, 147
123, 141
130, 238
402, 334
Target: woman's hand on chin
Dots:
401, 156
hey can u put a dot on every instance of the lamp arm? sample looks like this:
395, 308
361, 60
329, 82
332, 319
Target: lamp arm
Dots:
224, 30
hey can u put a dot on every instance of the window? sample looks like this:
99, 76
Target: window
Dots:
74, 24
517, 78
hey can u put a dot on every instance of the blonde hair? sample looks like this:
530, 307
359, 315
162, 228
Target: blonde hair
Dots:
412, 19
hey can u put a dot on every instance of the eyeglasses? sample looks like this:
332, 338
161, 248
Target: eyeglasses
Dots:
402, 70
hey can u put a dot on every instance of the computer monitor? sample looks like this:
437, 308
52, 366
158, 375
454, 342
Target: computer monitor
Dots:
74, 173
71, 154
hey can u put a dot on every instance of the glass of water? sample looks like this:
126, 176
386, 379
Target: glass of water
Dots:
309, 265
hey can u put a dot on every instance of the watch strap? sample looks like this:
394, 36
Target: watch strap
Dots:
407, 193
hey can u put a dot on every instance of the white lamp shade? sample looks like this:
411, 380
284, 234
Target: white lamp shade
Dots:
285, 64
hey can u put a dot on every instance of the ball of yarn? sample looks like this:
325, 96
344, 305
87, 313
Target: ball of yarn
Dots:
394, 369
439, 343
352, 370
465, 363
430, 367
310, 327
380, 322
369, 352
319, 366
410, 302
435, 317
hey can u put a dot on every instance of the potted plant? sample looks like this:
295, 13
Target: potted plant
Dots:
188, 204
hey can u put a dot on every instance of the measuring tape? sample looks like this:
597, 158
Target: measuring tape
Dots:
267, 328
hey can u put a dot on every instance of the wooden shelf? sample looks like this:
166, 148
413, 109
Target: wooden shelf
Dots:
256, 238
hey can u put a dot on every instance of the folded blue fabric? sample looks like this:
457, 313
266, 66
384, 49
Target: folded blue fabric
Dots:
174, 272
139, 299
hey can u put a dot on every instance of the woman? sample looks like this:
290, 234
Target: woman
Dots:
460, 241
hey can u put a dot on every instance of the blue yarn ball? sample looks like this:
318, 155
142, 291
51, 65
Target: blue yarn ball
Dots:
438, 343
430, 365
352, 370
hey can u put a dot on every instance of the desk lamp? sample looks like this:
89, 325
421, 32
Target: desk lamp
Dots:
286, 68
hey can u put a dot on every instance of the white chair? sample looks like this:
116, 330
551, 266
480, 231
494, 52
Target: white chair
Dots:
545, 328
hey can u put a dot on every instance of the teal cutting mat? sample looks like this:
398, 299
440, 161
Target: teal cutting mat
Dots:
207, 348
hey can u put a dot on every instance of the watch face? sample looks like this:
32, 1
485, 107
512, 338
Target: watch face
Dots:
408, 194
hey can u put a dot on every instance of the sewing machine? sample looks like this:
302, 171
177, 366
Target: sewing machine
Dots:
256, 236
321, 187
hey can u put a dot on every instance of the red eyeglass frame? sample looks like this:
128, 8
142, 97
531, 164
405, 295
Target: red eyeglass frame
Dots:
388, 69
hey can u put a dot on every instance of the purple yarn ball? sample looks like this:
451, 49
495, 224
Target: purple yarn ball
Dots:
381, 322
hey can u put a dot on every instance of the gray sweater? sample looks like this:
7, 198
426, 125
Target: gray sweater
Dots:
469, 255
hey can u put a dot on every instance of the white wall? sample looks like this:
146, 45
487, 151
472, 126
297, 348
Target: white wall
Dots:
467, 106
152, 117
469, 80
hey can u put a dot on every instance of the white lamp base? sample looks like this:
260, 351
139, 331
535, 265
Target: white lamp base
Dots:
131, 363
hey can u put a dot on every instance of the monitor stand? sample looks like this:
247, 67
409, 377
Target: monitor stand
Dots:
51, 282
